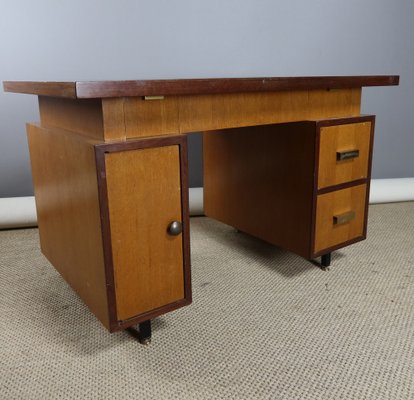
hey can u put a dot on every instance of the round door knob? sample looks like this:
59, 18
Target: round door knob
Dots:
175, 228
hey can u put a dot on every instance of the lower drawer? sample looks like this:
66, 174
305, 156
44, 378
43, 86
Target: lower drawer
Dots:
340, 217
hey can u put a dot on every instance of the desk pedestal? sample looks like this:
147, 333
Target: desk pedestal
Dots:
301, 186
105, 212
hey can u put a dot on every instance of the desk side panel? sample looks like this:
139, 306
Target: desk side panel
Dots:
100, 119
66, 192
81, 116
260, 180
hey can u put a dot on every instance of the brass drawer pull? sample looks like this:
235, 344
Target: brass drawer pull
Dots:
153, 97
343, 218
346, 155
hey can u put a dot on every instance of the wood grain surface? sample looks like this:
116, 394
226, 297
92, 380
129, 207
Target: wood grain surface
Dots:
65, 183
124, 118
113, 117
144, 196
261, 180
55, 89
213, 112
80, 116
151, 117
100, 89
327, 234
337, 138
185, 114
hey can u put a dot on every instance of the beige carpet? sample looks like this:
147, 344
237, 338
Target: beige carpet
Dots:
264, 324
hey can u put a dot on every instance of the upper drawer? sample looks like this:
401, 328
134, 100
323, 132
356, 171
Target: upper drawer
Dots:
343, 153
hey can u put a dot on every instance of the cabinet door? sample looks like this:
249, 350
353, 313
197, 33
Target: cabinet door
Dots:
144, 193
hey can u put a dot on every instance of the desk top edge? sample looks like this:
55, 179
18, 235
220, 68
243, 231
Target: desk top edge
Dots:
170, 87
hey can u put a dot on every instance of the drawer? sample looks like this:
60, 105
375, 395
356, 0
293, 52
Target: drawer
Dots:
340, 217
343, 153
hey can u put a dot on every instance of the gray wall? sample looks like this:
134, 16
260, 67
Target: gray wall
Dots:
132, 39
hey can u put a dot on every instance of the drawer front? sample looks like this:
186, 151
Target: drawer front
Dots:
340, 217
144, 197
343, 153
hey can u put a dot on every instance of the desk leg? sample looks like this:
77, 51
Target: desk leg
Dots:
326, 260
143, 334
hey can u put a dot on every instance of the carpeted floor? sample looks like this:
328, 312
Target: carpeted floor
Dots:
264, 324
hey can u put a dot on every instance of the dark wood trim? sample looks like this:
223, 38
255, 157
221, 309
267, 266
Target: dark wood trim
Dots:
100, 150
185, 210
121, 325
101, 89
371, 152
106, 233
144, 143
315, 189
340, 186
338, 246
55, 89
344, 120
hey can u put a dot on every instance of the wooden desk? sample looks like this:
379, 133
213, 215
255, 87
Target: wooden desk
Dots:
285, 159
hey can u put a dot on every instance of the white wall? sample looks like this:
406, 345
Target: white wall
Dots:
132, 39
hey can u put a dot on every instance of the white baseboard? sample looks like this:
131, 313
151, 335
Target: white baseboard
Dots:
391, 190
18, 212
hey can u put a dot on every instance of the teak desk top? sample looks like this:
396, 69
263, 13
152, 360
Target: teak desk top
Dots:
101, 89
120, 110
